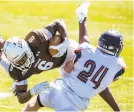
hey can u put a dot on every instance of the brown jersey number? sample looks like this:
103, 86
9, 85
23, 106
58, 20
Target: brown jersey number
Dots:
31, 39
41, 64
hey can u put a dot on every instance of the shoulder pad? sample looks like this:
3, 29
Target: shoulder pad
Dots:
42, 34
23, 82
86, 45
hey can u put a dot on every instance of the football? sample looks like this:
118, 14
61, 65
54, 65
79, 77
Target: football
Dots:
56, 40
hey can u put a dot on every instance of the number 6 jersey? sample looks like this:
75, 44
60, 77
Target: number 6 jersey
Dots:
38, 41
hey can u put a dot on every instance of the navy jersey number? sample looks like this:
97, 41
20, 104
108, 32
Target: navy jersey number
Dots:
83, 75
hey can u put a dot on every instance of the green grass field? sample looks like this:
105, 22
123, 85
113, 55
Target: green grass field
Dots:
18, 18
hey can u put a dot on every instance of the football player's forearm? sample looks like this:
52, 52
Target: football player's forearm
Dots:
24, 97
108, 97
83, 34
59, 26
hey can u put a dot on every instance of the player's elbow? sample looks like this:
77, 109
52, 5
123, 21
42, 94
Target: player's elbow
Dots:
60, 24
21, 101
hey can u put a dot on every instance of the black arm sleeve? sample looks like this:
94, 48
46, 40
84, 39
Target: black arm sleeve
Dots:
119, 73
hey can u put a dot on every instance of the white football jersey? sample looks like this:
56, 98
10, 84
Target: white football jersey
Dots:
93, 71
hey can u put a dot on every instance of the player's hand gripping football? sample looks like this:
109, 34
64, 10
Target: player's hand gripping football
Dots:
62, 48
82, 11
39, 88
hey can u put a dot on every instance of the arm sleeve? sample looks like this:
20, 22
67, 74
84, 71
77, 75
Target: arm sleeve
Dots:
4, 63
119, 73
122, 66
23, 82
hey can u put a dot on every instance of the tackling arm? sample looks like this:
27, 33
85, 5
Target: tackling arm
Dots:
108, 97
23, 95
20, 90
59, 26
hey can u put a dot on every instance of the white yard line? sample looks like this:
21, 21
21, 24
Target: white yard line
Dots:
16, 109
127, 78
8, 107
5, 95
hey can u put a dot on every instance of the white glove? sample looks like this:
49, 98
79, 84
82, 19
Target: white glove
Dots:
62, 48
39, 88
82, 11
13, 88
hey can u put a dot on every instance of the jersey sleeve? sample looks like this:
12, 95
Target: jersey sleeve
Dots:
42, 35
16, 74
122, 68
86, 45
4, 63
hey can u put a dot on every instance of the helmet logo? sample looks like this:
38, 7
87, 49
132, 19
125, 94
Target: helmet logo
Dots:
19, 44
121, 42
111, 47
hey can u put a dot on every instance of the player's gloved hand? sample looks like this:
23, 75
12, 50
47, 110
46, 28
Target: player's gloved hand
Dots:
39, 88
13, 88
62, 48
82, 11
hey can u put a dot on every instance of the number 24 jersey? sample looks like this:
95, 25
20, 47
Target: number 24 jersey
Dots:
93, 71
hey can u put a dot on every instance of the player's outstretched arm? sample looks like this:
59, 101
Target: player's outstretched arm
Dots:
81, 13
58, 25
23, 95
20, 90
83, 34
108, 97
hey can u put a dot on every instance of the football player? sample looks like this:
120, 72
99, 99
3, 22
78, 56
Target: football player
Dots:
29, 56
88, 73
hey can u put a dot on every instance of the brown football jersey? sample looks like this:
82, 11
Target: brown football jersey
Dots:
38, 41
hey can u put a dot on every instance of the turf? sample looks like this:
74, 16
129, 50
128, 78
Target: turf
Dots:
18, 18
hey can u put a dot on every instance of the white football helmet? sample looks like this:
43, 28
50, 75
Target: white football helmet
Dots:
18, 53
